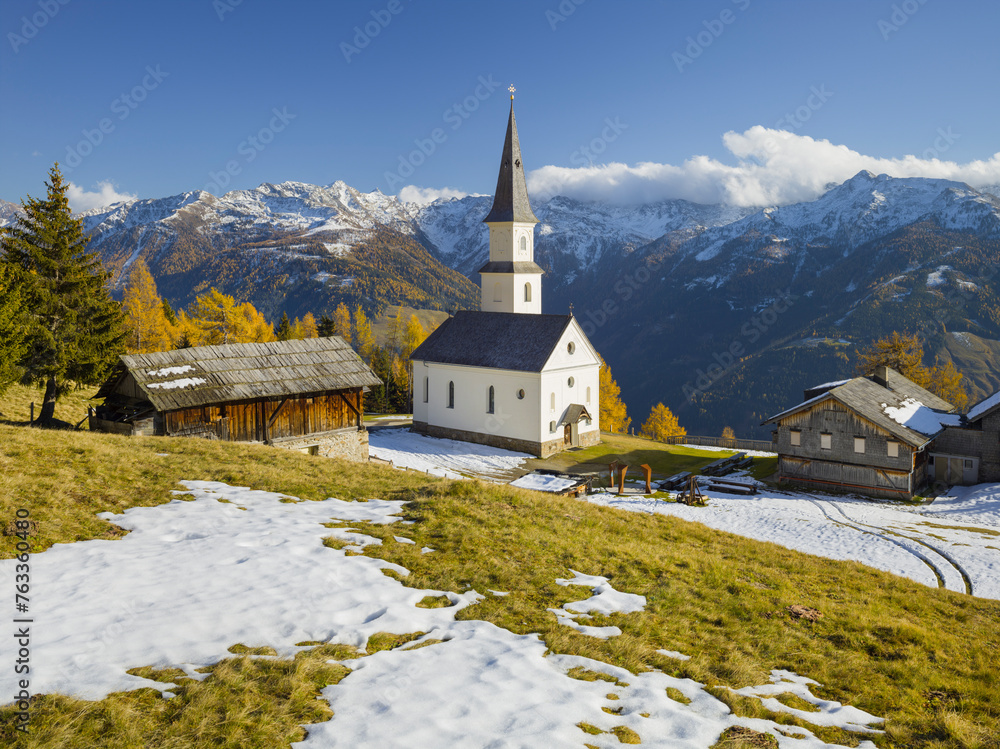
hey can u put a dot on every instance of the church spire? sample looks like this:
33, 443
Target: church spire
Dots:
510, 201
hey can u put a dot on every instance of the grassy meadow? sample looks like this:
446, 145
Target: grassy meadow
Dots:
922, 658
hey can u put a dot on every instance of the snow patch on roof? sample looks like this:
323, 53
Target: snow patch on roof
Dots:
914, 415
181, 383
983, 406
167, 371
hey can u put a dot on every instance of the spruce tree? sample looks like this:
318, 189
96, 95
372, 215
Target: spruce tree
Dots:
284, 328
75, 330
326, 328
12, 332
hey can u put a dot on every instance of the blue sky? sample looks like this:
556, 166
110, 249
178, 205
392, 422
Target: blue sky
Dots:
619, 100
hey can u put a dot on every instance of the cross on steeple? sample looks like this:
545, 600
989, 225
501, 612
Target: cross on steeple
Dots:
512, 90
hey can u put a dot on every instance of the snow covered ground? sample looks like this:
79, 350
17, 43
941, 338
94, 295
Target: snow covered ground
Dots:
229, 565
953, 542
439, 457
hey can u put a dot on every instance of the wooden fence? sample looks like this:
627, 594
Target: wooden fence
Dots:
728, 444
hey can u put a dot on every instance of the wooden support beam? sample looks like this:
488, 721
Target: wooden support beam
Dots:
274, 415
350, 406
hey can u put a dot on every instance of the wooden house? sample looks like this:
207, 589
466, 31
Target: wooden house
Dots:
302, 394
869, 435
970, 452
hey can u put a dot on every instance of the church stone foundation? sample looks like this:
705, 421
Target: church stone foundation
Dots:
541, 449
349, 444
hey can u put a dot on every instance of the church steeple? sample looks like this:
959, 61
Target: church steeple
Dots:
511, 280
510, 201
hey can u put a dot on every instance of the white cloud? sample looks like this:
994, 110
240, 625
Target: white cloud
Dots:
81, 200
773, 167
425, 195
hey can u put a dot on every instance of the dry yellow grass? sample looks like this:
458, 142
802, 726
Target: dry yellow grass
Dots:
922, 658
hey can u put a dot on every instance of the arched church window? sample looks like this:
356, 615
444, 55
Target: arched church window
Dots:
588, 395
527, 292
524, 245
427, 388
489, 408
497, 295
552, 402
451, 395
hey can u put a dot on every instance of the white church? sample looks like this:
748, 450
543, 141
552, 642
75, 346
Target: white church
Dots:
508, 375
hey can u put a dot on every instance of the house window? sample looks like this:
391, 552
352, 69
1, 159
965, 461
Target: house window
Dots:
527, 292
796, 437
859, 445
571, 382
826, 441
489, 408
427, 389
520, 394
967, 464
451, 395
892, 448
497, 296
588, 395
552, 402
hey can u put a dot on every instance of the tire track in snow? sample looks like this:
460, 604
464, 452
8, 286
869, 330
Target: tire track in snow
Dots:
965, 577
848, 523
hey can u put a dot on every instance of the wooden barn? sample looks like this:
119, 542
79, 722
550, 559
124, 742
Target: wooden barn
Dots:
870, 435
303, 394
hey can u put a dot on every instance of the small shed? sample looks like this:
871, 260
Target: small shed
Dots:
302, 394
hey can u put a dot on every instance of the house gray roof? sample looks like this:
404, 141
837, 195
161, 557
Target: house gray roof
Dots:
499, 266
984, 406
879, 404
499, 340
242, 371
510, 200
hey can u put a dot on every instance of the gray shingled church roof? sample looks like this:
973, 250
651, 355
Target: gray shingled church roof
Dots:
500, 340
510, 201
242, 371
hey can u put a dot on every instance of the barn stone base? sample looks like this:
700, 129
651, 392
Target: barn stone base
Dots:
541, 449
349, 444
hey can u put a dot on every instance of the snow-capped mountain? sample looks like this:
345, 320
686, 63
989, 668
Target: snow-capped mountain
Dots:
572, 237
666, 290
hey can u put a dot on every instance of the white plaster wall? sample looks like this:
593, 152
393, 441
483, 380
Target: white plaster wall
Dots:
512, 417
583, 352
557, 382
511, 293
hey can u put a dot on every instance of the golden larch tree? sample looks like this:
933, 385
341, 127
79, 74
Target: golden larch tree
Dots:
364, 338
342, 322
614, 416
662, 423
149, 329
309, 327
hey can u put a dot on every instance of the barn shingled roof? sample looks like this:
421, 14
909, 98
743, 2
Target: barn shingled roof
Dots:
499, 340
869, 399
242, 371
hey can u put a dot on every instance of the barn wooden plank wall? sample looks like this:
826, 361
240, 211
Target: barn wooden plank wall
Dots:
247, 421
